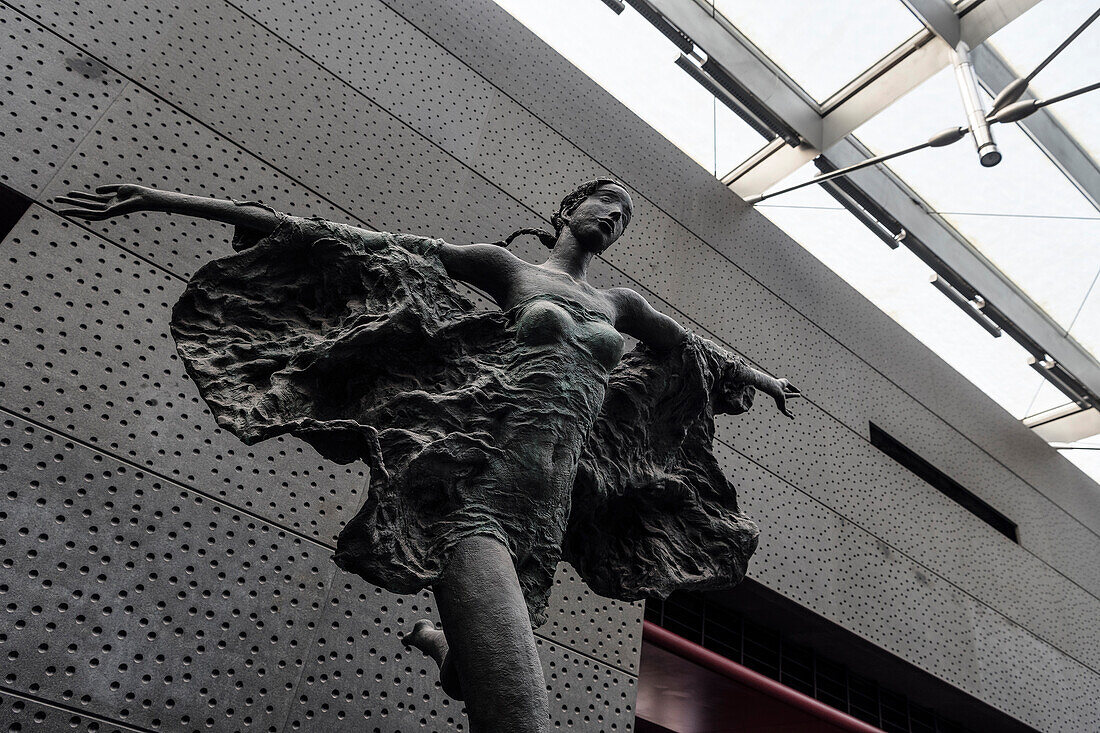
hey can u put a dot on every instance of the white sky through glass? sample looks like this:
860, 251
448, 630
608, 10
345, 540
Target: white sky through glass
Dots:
835, 40
628, 57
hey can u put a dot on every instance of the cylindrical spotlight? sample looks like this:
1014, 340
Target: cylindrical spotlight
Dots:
972, 102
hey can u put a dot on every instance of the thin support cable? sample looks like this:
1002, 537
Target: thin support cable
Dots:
1081, 307
1068, 95
1062, 47
1016, 88
1034, 397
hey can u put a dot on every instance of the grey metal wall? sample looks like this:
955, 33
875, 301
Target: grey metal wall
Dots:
158, 575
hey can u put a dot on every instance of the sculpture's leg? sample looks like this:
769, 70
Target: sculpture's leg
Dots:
492, 647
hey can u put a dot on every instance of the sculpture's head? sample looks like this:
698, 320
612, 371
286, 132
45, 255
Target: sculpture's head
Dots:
597, 213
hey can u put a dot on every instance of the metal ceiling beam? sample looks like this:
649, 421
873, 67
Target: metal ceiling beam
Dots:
822, 125
939, 16
723, 43
956, 256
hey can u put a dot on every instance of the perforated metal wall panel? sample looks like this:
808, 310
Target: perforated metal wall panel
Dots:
409, 115
17, 713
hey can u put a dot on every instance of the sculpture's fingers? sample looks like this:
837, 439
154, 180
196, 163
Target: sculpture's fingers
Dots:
91, 205
85, 196
84, 214
109, 188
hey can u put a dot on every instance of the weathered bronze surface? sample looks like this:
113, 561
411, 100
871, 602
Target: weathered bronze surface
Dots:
499, 443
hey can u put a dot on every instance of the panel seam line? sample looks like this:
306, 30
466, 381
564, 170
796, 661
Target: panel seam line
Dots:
27, 697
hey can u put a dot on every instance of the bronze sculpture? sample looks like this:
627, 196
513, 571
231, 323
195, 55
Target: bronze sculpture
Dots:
498, 442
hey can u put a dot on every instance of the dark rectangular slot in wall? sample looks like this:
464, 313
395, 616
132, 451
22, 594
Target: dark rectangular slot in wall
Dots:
12, 207
948, 486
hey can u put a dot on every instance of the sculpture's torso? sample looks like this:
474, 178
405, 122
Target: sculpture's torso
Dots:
558, 372
540, 320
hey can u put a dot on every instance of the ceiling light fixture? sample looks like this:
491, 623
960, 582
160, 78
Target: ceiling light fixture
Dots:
988, 155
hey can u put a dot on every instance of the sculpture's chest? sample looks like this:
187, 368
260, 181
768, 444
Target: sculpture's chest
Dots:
542, 322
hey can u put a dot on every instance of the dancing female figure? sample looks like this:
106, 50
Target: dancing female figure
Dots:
499, 442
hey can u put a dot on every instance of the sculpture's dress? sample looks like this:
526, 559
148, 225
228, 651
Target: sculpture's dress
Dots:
527, 426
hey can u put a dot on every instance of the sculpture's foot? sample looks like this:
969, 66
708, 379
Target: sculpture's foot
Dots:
428, 639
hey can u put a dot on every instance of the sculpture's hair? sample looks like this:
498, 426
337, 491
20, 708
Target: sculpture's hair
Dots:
568, 203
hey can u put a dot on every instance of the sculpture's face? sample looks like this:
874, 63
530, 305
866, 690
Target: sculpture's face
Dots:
600, 219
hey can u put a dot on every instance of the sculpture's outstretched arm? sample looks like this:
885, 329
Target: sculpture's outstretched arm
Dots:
639, 319
127, 198
485, 266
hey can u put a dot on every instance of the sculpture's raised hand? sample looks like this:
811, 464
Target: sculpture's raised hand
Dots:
115, 199
784, 391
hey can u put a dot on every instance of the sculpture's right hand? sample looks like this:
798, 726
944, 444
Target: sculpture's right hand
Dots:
113, 200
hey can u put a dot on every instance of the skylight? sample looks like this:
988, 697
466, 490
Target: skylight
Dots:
836, 42
636, 64
1023, 214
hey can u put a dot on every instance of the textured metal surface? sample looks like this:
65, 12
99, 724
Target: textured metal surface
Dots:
603, 628
358, 675
135, 598
862, 583
203, 617
52, 95
389, 128
19, 714
89, 322
170, 151
118, 33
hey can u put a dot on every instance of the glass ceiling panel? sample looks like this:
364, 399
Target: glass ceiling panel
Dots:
630, 59
1023, 214
1024, 47
1076, 66
898, 283
822, 45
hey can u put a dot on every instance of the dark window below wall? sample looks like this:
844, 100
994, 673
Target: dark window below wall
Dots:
12, 207
948, 486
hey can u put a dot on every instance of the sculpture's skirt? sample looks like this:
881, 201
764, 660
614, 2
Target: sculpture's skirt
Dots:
472, 423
